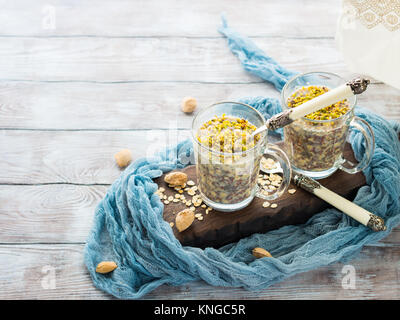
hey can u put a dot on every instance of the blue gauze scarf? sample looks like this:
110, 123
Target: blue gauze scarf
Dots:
129, 227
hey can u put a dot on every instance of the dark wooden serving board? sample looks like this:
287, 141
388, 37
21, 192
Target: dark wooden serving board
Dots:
220, 228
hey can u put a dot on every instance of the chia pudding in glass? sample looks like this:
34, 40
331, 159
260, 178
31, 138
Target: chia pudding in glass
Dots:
315, 143
227, 157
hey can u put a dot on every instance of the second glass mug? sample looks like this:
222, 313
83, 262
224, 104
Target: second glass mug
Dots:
228, 181
315, 147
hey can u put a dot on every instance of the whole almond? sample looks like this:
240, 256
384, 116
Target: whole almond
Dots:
184, 219
123, 158
189, 104
261, 253
176, 178
106, 266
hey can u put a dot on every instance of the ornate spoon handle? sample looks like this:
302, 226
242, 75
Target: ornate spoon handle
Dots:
356, 212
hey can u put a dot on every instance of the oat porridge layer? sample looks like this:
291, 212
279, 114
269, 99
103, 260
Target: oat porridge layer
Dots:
316, 145
229, 159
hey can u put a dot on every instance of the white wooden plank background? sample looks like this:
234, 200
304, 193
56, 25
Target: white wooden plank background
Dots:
72, 105
111, 75
169, 18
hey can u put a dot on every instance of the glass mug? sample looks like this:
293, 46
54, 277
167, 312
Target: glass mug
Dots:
315, 147
228, 181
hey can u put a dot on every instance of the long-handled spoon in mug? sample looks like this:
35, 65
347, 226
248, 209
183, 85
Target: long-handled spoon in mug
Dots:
282, 119
356, 86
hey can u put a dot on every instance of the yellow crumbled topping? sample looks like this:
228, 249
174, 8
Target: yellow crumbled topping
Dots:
328, 113
227, 134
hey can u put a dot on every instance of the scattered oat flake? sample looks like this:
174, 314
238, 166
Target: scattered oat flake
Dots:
203, 206
200, 218
171, 224
266, 204
291, 191
170, 198
166, 201
190, 183
175, 200
197, 215
278, 177
268, 163
274, 205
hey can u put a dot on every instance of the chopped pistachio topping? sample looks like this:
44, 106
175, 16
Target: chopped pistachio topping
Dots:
227, 134
328, 113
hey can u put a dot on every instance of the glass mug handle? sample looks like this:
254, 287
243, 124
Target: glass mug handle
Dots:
282, 166
369, 138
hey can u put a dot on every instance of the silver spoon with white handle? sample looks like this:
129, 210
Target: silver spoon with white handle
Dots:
356, 86
363, 216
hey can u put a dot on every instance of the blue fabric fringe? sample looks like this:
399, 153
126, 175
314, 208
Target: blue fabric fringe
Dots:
129, 227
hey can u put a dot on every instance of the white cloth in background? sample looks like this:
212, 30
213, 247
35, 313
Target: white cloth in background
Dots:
368, 35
